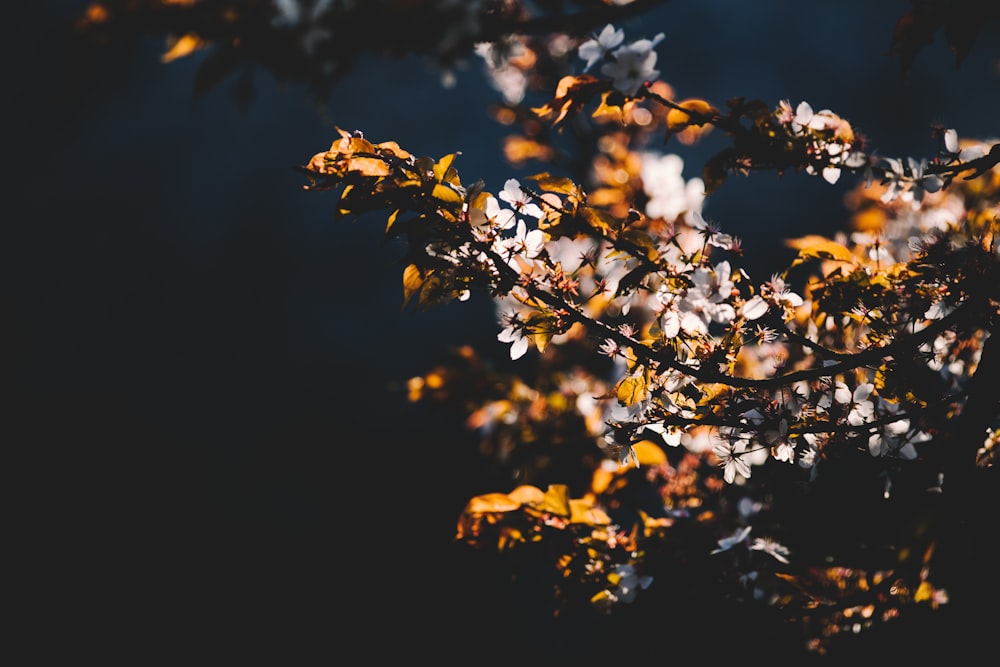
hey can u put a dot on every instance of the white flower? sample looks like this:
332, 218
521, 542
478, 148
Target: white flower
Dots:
820, 120
669, 194
775, 549
809, 457
633, 64
894, 440
704, 302
939, 309
780, 295
727, 543
731, 457
515, 334
781, 447
671, 323
951, 141
923, 183
671, 434
530, 243
519, 199
523, 246
502, 218
629, 582
863, 410
595, 49
755, 308
894, 177
840, 395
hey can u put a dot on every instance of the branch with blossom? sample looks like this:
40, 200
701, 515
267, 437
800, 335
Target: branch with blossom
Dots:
742, 376
693, 389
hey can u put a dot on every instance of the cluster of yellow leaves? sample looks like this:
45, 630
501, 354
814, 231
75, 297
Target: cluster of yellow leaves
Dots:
351, 153
843, 600
554, 506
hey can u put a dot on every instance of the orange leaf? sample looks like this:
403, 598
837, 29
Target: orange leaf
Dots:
519, 149
412, 282
183, 46
368, 166
556, 500
443, 171
692, 112
820, 247
600, 220
648, 453
393, 148
694, 125
606, 197
446, 194
583, 511
527, 494
491, 502
551, 183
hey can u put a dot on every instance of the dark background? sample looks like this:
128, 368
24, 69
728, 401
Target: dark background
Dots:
213, 451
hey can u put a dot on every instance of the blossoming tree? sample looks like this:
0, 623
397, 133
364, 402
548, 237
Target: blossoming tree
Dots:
676, 405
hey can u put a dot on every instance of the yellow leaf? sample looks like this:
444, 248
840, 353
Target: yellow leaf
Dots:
631, 390
606, 197
391, 221
924, 592
343, 206
583, 511
551, 183
527, 494
183, 46
648, 453
393, 148
692, 112
412, 281
564, 99
600, 220
871, 219
691, 127
479, 200
368, 166
446, 194
541, 340
352, 144
602, 598
519, 149
615, 110
443, 166
820, 247
491, 502
556, 500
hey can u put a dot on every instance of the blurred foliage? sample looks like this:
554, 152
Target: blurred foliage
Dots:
318, 42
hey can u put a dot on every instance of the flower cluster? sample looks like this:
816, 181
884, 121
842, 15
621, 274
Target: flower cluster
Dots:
629, 66
830, 140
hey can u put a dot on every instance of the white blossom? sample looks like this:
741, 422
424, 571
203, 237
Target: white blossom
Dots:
595, 49
633, 64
